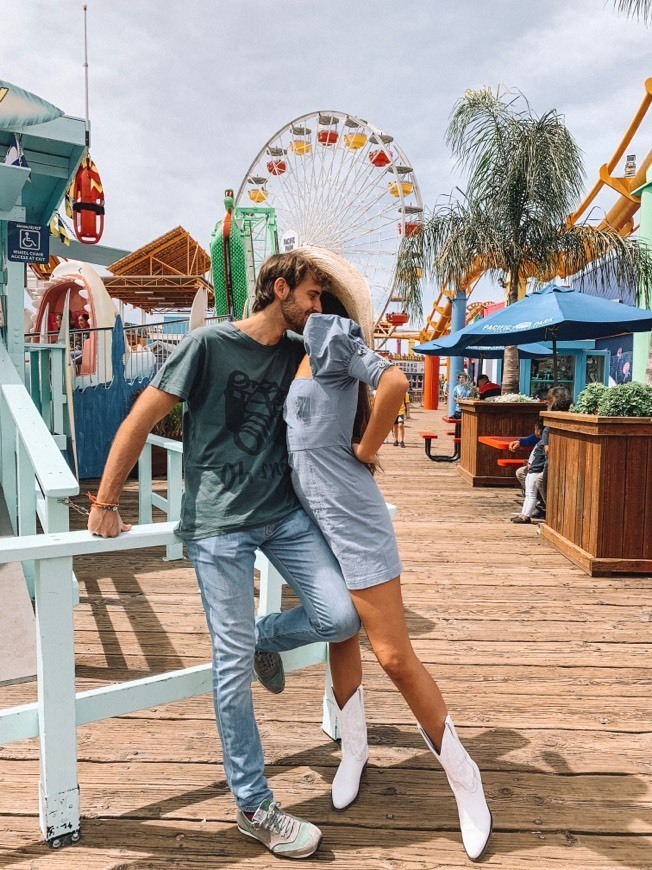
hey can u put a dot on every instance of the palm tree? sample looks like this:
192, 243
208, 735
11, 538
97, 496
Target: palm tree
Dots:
636, 9
524, 176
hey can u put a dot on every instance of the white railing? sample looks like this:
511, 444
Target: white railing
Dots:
54, 718
148, 499
36, 479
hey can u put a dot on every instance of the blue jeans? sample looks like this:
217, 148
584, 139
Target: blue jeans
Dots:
225, 571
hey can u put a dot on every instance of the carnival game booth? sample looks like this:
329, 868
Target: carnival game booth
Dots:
77, 292
103, 371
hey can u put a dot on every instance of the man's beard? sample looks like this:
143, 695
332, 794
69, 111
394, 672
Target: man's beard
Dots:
293, 315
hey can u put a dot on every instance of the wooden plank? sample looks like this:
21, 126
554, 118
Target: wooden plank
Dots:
135, 844
547, 672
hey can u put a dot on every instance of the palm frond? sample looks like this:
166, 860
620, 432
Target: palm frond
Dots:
641, 9
618, 263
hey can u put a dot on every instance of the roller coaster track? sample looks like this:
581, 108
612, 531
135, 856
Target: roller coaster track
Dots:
620, 217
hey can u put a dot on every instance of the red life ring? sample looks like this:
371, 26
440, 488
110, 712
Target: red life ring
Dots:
87, 202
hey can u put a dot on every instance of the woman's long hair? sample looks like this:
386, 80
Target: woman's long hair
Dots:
330, 304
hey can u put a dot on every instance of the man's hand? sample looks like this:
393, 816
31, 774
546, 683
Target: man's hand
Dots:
106, 524
513, 446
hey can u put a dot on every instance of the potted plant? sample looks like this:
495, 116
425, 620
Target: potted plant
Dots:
599, 502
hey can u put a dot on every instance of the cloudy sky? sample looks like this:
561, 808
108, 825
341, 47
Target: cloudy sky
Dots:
183, 95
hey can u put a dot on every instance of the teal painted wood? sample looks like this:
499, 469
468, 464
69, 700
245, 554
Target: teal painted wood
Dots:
59, 710
642, 339
170, 504
55, 662
51, 470
14, 314
8, 476
145, 484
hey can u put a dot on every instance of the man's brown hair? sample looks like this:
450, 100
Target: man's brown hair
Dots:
293, 267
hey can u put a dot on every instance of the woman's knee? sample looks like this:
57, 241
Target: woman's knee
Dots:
398, 664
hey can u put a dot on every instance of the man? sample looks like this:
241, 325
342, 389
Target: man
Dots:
487, 389
238, 496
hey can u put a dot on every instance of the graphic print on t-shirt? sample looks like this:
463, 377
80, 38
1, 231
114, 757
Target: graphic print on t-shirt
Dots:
252, 410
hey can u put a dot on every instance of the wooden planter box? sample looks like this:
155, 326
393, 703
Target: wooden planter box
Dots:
478, 462
599, 504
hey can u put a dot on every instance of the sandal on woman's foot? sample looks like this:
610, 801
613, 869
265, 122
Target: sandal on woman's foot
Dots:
520, 519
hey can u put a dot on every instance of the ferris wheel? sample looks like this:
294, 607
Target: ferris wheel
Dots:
337, 181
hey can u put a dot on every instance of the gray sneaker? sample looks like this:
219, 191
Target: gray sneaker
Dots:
284, 835
268, 667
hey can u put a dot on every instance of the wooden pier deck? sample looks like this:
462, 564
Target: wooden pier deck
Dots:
547, 672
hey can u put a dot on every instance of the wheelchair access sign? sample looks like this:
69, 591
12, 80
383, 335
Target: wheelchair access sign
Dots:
28, 243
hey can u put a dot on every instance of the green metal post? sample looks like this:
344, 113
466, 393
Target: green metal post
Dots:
642, 339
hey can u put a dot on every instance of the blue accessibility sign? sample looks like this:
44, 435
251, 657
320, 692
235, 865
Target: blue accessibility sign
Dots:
28, 243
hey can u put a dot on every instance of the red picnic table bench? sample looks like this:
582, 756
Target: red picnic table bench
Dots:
502, 442
457, 440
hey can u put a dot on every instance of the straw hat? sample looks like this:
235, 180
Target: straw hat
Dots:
347, 284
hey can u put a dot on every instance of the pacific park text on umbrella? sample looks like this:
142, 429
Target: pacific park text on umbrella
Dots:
550, 314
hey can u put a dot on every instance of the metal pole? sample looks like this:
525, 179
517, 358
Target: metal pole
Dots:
86, 114
456, 363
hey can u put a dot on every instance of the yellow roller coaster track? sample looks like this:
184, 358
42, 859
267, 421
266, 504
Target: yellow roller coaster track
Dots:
619, 217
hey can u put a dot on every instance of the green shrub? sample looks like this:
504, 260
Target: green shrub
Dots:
623, 400
588, 399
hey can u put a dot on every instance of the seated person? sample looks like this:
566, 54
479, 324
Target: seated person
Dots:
461, 390
487, 389
558, 399
530, 441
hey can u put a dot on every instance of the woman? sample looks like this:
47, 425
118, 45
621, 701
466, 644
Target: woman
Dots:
332, 443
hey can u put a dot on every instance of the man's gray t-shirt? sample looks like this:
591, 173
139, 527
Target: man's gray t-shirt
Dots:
235, 457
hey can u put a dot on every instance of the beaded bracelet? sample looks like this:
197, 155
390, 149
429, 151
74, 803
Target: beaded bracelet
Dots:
100, 504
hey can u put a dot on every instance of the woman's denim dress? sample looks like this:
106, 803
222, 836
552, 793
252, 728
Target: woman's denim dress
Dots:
335, 489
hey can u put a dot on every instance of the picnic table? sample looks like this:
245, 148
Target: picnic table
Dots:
502, 442
457, 440
494, 420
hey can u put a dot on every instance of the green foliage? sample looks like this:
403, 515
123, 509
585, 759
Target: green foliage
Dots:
524, 177
589, 399
171, 426
623, 400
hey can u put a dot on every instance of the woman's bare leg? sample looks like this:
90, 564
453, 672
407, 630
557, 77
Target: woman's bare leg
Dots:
346, 668
381, 611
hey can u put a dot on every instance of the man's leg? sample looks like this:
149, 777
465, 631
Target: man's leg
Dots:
224, 565
298, 550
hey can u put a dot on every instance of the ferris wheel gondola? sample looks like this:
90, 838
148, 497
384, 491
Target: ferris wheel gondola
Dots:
337, 181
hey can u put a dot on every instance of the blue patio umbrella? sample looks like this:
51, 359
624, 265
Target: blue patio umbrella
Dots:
550, 314
526, 351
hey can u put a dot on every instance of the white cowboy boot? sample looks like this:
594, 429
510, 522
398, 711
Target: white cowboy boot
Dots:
355, 752
464, 778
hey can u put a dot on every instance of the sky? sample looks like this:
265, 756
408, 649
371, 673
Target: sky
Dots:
184, 95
